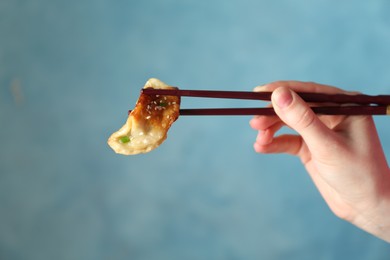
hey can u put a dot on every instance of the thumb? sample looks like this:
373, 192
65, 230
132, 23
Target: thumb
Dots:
294, 112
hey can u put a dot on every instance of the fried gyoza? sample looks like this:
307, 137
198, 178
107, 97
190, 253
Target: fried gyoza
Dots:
147, 125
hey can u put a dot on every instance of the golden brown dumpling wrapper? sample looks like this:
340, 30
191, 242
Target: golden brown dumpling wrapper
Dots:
147, 125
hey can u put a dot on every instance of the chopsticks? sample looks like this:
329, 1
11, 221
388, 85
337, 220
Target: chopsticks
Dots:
359, 104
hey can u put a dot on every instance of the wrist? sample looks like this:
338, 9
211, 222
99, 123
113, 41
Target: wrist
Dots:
376, 220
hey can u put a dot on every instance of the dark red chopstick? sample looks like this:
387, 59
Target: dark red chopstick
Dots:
209, 93
308, 97
332, 110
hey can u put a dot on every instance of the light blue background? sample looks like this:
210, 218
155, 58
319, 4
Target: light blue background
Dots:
70, 70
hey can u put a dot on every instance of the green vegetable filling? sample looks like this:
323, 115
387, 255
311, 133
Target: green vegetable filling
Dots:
124, 139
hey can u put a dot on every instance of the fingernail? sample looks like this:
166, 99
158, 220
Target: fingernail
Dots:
259, 88
282, 97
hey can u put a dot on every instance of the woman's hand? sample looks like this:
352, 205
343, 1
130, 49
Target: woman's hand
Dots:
342, 154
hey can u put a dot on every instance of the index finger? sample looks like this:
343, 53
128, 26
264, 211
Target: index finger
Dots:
301, 86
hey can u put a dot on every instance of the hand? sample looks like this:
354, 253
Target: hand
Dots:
342, 154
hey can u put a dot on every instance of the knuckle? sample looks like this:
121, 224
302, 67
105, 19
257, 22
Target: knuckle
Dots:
306, 120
